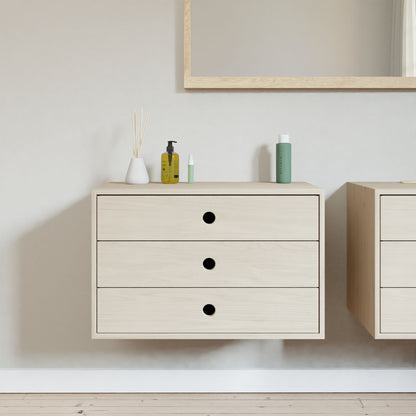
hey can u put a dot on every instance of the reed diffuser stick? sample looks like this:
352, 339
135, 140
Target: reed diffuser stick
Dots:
134, 121
138, 136
141, 129
142, 132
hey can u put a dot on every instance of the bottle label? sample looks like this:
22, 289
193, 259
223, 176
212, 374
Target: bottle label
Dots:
170, 171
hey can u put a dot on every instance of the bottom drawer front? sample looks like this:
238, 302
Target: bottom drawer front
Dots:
179, 310
398, 310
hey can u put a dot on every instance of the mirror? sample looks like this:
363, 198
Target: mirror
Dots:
361, 44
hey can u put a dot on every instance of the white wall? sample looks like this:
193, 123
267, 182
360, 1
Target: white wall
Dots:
71, 70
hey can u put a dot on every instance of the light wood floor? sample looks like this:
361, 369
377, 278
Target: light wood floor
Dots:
207, 404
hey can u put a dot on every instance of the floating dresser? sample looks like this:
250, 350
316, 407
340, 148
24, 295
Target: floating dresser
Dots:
382, 258
208, 261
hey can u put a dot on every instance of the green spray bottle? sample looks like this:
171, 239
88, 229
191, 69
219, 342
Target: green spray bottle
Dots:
284, 159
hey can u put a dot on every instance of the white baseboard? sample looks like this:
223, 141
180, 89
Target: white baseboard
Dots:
204, 381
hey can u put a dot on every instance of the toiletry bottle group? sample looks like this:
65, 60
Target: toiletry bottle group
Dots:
170, 164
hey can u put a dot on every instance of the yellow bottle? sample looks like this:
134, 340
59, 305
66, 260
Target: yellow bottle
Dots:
170, 164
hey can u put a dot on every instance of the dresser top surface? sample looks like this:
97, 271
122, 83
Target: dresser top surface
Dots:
209, 188
388, 187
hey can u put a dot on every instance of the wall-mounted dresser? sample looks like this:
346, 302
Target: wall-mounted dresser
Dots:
208, 261
382, 257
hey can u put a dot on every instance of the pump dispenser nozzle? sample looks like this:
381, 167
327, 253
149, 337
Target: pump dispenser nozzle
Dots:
169, 147
170, 150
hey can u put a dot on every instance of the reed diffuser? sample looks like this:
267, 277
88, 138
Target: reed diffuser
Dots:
137, 173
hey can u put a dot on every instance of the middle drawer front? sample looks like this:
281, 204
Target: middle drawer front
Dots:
242, 310
208, 264
272, 217
398, 264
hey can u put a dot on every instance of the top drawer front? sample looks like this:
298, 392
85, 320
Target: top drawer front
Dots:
398, 217
182, 217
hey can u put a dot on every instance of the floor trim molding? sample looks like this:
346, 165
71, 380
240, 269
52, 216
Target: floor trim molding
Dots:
205, 381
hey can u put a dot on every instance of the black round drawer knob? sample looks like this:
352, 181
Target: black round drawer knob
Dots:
208, 217
209, 263
209, 309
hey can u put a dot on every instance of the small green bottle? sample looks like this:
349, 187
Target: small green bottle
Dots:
190, 169
284, 159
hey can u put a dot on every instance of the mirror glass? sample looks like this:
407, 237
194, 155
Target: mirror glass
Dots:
303, 38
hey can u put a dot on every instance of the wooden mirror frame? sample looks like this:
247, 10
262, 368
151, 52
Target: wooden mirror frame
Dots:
282, 83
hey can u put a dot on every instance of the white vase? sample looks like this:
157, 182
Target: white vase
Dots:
137, 173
